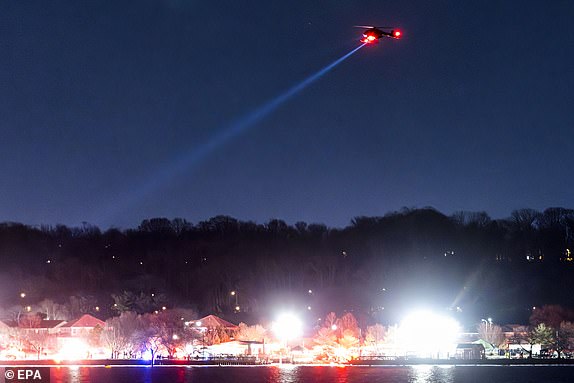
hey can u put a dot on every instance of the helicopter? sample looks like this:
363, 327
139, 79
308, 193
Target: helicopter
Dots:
372, 34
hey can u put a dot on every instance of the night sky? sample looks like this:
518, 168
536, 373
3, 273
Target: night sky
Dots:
100, 100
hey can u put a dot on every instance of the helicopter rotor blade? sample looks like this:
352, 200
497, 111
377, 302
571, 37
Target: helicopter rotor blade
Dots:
371, 27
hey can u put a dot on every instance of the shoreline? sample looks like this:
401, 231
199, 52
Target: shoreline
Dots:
462, 362
109, 363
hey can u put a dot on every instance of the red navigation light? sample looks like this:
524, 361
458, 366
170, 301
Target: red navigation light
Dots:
397, 34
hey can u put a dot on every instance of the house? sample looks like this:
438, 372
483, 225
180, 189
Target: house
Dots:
213, 330
469, 351
44, 327
212, 321
79, 327
73, 339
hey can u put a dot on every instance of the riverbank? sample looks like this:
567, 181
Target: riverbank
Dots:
256, 362
134, 362
459, 362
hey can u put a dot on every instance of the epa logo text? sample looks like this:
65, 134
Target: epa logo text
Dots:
27, 375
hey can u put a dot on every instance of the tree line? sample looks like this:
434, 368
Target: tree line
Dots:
370, 267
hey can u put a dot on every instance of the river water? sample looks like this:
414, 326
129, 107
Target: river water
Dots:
319, 374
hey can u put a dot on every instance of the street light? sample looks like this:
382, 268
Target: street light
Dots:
488, 332
488, 322
202, 331
22, 308
234, 294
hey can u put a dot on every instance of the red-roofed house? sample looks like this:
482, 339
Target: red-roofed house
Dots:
213, 329
212, 321
81, 326
43, 326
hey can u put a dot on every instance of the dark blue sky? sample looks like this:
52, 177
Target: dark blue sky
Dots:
472, 110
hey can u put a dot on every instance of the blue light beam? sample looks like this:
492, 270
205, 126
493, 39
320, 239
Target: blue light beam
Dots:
232, 130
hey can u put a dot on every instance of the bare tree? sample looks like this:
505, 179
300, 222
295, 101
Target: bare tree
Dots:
53, 310
166, 331
251, 333
113, 338
491, 333
120, 334
29, 333
30, 320
375, 335
327, 339
348, 324
35, 339
348, 339
330, 320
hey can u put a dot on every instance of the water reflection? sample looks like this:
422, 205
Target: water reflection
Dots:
313, 374
342, 374
147, 375
431, 374
287, 374
304, 374
72, 374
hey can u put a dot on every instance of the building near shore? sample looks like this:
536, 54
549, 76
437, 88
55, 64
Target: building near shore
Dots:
469, 351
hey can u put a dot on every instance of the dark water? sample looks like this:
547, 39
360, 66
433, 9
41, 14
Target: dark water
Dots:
308, 374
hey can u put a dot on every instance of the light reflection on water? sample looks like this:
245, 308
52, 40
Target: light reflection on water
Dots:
74, 374
286, 374
314, 374
431, 374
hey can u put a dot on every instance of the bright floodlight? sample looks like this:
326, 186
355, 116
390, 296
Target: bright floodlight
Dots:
427, 334
287, 327
73, 349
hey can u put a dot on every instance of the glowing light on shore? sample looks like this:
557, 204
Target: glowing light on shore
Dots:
427, 334
73, 349
287, 327
146, 355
